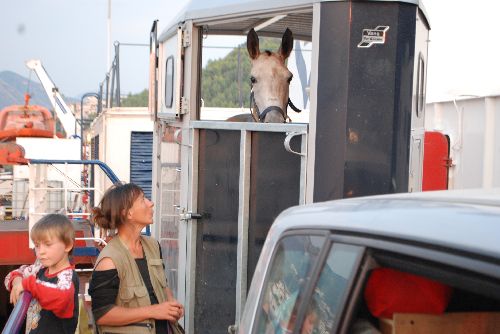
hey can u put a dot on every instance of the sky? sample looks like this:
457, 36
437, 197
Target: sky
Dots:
70, 38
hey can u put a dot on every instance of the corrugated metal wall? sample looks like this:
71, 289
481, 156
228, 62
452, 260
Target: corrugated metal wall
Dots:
141, 164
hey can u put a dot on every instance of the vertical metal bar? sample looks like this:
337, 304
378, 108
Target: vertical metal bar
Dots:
189, 181
117, 73
156, 193
240, 97
107, 91
112, 89
313, 103
243, 213
84, 96
303, 169
489, 140
99, 105
65, 189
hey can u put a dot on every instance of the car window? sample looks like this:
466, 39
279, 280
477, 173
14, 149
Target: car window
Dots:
325, 303
290, 270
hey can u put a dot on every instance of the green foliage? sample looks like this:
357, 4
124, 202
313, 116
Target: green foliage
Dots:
136, 100
219, 87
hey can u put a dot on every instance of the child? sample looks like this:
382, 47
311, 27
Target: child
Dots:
52, 280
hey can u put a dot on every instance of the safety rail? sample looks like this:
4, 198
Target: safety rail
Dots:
18, 314
83, 251
68, 195
105, 168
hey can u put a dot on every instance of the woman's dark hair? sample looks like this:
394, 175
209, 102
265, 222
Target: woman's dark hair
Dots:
114, 205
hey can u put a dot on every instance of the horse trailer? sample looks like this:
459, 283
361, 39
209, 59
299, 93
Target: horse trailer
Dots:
219, 185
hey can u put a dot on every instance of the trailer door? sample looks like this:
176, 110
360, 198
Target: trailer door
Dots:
246, 174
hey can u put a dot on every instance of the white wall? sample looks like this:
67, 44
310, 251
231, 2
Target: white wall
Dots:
48, 148
472, 124
114, 127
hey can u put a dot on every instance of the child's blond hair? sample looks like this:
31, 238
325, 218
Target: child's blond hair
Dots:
54, 225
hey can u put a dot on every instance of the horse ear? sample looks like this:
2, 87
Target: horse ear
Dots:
253, 44
286, 44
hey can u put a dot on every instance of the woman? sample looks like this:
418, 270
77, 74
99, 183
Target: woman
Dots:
128, 288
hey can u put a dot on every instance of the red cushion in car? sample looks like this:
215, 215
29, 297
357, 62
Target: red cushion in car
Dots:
389, 291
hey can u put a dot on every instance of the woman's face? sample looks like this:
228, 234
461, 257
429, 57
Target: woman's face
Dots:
141, 211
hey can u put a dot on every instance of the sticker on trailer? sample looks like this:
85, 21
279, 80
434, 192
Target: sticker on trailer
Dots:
373, 36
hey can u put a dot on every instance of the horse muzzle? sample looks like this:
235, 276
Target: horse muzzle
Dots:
262, 115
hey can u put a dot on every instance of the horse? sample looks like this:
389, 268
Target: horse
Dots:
270, 80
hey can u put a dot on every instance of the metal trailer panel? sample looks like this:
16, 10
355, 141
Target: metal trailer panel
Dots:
217, 231
245, 179
274, 187
364, 100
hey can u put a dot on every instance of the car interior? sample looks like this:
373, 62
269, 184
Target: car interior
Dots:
401, 294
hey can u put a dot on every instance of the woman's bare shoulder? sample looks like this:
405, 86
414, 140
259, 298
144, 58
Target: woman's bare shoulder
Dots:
105, 264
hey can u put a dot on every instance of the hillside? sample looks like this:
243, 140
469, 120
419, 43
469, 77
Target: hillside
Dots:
220, 77
220, 80
13, 87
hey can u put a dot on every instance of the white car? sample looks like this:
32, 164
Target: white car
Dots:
421, 263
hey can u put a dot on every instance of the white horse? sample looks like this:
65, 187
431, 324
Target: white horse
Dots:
270, 80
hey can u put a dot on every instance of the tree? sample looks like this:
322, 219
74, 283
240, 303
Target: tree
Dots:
136, 100
220, 85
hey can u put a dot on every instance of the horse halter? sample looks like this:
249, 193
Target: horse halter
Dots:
261, 116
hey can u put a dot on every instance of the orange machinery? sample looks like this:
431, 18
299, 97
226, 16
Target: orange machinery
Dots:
22, 121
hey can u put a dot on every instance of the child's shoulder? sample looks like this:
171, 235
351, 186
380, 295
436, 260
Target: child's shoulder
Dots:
67, 273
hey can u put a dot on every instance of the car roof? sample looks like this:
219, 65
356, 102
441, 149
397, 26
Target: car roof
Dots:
465, 220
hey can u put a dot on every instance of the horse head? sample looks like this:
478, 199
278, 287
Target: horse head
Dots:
270, 79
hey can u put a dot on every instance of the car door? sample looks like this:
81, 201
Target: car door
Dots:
307, 283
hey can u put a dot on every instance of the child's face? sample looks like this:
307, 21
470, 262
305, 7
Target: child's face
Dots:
52, 253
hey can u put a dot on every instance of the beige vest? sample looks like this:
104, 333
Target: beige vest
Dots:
132, 291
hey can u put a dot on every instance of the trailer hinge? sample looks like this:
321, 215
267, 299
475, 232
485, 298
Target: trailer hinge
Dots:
186, 38
184, 109
448, 162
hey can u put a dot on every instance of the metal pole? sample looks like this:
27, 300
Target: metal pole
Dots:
112, 88
107, 90
99, 106
117, 73
240, 97
108, 42
98, 97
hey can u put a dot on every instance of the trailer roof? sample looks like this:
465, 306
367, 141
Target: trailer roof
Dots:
225, 16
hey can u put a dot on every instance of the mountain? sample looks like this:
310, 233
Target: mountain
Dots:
13, 87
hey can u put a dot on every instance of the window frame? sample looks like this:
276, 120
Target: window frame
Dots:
315, 276
301, 232
169, 84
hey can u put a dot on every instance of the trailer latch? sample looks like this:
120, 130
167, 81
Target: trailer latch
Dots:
232, 329
185, 216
